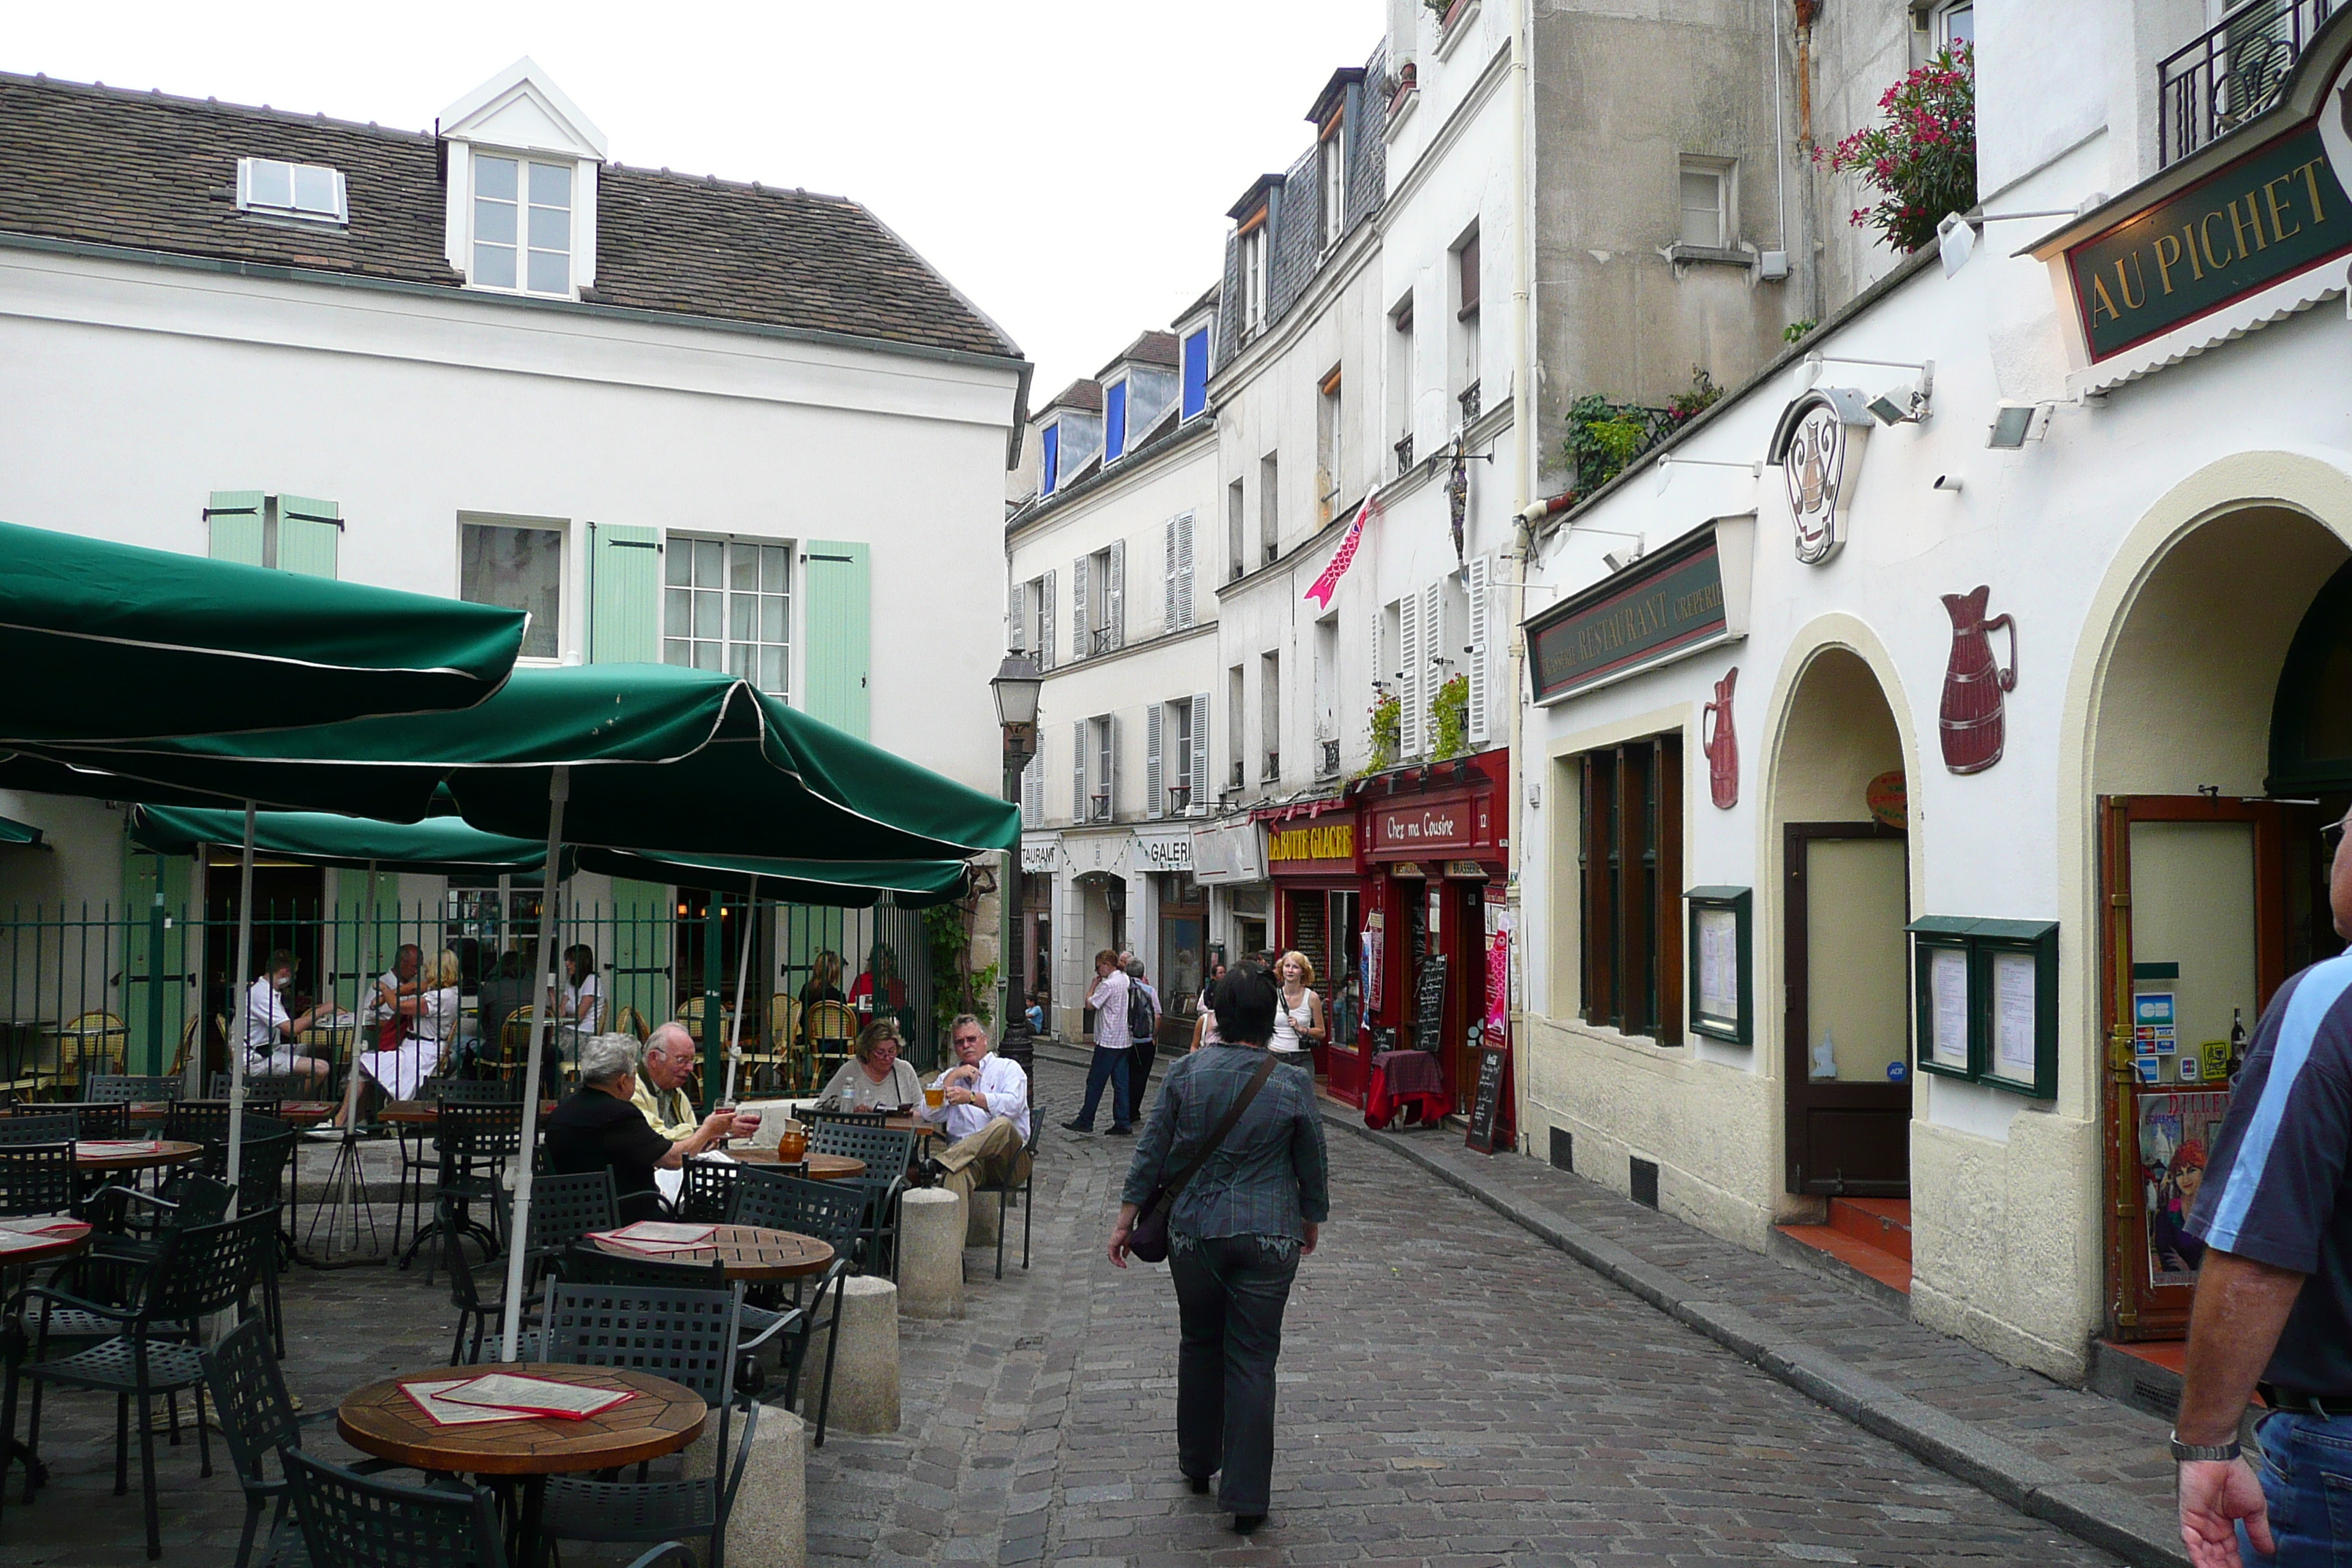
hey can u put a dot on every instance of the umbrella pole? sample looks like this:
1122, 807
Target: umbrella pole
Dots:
244, 1000
559, 790
349, 1215
742, 981
192, 1069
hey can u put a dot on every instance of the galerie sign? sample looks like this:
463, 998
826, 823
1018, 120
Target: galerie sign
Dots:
2275, 212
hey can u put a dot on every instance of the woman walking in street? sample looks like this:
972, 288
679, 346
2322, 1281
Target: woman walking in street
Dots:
1298, 1011
1237, 1233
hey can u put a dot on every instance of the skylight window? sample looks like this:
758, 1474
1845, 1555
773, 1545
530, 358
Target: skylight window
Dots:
292, 190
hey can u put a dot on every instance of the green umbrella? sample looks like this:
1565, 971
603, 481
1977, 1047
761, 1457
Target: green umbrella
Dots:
15, 832
138, 643
352, 843
843, 884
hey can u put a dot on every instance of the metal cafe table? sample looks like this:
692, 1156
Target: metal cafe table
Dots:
382, 1421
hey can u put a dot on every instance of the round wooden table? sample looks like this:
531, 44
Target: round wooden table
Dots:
52, 1250
159, 1151
753, 1254
816, 1168
382, 1421
427, 1112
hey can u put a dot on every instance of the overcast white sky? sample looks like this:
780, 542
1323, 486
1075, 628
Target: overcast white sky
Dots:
1065, 163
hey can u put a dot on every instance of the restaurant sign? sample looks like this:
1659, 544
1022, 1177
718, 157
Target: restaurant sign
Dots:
1431, 827
2257, 220
1689, 595
1312, 845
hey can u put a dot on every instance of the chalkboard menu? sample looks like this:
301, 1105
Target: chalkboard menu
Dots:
1489, 1100
1429, 1006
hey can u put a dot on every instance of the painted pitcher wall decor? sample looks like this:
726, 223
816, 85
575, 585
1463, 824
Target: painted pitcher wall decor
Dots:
1721, 742
1818, 445
1972, 723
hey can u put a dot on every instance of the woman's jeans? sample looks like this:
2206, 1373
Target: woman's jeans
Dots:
1109, 1067
2306, 1472
1230, 1293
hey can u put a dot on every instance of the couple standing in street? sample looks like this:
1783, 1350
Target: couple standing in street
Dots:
1126, 1021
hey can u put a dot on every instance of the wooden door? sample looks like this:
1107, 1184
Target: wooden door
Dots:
1848, 1021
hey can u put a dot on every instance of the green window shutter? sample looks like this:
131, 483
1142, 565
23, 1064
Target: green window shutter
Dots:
309, 535
144, 875
625, 621
636, 972
235, 518
838, 597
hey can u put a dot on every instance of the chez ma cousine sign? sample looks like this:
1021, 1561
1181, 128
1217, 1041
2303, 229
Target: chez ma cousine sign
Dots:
2224, 228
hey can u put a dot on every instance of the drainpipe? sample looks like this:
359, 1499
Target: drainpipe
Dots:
1808, 208
1523, 426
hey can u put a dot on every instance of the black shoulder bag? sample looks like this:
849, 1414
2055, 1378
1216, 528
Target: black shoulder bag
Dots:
1148, 1240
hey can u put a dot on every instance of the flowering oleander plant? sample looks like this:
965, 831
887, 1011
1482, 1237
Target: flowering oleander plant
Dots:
1387, 722
1922, 156
1449, 718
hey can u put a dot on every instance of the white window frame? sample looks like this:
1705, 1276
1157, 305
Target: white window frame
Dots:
561, 529
677, 546
1254, 278
522, 248
1331, 155
1944, 13
1182, 737
1721, 173
250, 171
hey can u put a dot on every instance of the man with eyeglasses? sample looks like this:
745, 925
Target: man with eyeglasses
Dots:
2274, 1305
985, 1108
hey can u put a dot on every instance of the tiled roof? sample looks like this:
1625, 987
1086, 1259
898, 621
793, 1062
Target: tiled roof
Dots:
1151, 348
147, 172
1081, 394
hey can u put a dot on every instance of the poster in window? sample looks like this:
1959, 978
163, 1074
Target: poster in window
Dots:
2176, 1137
1718, 967
2016, 1015
1948, 995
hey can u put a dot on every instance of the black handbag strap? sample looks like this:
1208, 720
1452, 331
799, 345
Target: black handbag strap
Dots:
1216, 1139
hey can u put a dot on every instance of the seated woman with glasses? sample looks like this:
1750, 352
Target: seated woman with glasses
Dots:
873, 1076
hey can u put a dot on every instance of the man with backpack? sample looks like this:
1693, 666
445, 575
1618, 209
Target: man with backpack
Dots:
1112, 1042
1143, 1029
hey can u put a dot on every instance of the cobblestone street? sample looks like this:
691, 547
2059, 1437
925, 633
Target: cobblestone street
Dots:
1454, 1393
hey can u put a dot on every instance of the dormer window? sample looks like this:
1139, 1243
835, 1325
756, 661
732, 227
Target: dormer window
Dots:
523, 224
1196, 371
1050, 456
1114, 421
1333, 155
311, 191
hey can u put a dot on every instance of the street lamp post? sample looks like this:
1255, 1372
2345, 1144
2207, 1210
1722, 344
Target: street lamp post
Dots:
1015, 687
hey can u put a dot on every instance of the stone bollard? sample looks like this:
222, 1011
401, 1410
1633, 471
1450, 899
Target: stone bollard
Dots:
980, 1227
930, 1253
865, 1361
769, 1528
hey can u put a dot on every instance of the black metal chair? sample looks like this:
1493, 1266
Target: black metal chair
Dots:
112, 1088
263, 1157
478, 1316
710, 1188
689, 1337
887, 1154
473, 1142
36, 1179
271, 1086
91, 1119
196, 1273
834, 1213
355, 1522
815, 1118
1023, 1179
256, 1419
53, 1129
199, 1121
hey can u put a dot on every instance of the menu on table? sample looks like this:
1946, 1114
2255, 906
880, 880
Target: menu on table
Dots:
659, 1235
113, 1146
430, 1398
22, 1235
534, 1397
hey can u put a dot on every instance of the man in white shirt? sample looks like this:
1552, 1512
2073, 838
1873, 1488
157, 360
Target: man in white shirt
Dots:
1110, 1066
270, 1035
986, 1113
395, 982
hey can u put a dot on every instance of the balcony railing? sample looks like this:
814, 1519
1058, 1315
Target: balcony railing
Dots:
2233, 73
1103, 639
1234, 780
1179, 799
1272, 768
1468, 398
1403, 450
1098, 807
1328, 763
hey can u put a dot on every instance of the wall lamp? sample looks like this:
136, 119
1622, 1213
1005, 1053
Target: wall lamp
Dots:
1956, 237
1897, 405
1665, 466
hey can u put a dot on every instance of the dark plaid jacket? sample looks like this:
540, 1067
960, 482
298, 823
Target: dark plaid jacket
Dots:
1270, 1173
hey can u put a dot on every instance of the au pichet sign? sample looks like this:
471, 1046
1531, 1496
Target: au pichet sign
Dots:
2279, 209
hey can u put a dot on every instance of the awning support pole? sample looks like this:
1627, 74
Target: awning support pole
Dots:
559, 790
242, 987
742, 982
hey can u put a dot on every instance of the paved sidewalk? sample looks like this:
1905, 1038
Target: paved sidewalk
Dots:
2094, 1467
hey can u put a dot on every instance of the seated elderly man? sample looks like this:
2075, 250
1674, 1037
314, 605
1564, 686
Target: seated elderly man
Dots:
670, 1058
600, 1126
986, 1111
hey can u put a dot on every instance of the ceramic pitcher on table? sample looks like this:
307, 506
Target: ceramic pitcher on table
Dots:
1971, 721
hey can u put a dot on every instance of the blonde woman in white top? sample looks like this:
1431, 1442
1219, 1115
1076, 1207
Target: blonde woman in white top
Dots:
1298, 1012
432, 1014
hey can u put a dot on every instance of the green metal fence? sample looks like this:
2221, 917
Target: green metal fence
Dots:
116, 987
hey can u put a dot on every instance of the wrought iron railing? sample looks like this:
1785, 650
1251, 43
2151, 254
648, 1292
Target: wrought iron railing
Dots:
1098, 807
1328, 763
1179, 799
1273, 767
2233, 73
1235, 781
1103, 639
1403, 450
1468, 398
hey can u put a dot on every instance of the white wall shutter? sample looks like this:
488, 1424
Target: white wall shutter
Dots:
1081, 569
1080, 808
1115, 606
1168, 611
1154, 796
1184, 568
1482, 577
1033, 792
1016, 618
1199, 805
1048, 621
1433, 648
1411, 661
1111, 786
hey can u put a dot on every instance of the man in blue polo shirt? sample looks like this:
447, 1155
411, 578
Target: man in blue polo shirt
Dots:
2273, 1306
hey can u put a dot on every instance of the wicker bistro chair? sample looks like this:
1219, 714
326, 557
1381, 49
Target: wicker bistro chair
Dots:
689, 1337
112, 1088
1023, 1179
777, 1061
887, 1155
93, 1040
629, 1021
257, 1418
197, 1272
831, 1030
355, 1522
833, 1212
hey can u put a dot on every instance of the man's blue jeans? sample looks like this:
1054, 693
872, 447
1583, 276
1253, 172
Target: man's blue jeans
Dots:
1109, 1067
2306, 1472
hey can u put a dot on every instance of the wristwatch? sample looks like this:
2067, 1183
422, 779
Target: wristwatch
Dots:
2184, 1452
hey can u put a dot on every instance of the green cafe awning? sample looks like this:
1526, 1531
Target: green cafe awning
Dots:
108, 641
660, 758
15, 832
844, 884
438, 844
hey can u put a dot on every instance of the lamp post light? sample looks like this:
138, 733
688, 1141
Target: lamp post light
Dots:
1015, 687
